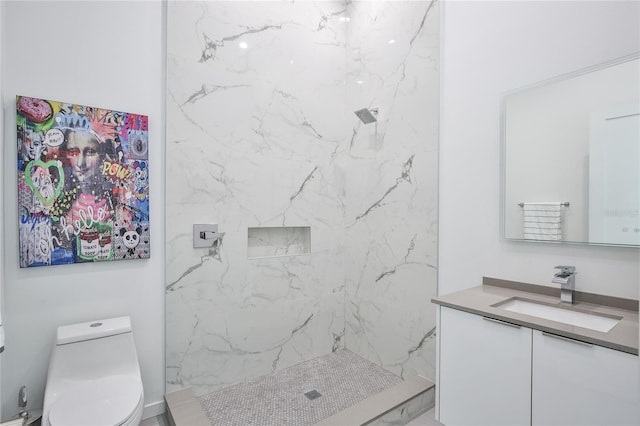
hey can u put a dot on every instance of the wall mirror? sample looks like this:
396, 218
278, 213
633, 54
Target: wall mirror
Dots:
571, 157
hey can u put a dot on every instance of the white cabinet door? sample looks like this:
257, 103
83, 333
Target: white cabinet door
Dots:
485, 371
580, 384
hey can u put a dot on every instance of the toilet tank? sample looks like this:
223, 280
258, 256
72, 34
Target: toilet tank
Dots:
92, 330
94, 349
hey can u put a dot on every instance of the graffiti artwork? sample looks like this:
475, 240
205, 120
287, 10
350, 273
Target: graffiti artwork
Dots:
83, 183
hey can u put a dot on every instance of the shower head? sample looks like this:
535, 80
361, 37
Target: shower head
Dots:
367, 115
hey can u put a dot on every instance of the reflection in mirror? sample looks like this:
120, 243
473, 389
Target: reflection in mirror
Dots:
571, 157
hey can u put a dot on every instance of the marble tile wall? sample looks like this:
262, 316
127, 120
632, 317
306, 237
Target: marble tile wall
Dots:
253, 137
391, 185
265, 136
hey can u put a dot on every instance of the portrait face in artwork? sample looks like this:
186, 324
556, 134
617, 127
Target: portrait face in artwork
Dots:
82, 151
32, 144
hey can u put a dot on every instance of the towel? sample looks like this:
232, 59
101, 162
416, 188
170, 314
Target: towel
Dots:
542, 221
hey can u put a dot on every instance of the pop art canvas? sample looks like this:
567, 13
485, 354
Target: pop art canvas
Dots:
83, 183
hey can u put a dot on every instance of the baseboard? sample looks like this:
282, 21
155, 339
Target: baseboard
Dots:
153, 409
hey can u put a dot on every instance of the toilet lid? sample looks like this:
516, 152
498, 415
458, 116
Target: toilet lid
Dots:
106, 401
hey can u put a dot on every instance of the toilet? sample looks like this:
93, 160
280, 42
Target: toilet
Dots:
94, 376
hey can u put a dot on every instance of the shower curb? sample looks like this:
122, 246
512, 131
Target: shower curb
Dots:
385, 402
413, 396
183, 409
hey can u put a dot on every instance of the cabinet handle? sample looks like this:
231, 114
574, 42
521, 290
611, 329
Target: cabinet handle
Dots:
567, 339
501, 322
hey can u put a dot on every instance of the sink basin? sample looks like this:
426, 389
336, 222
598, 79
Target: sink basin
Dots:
560, 314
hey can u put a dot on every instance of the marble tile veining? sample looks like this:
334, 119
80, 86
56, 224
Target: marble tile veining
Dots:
261, 133
392, 185
253, 136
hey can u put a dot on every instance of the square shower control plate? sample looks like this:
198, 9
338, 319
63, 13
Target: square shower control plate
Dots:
205, 235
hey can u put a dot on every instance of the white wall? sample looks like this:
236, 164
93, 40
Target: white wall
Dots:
489, 48
1, 199
108, 54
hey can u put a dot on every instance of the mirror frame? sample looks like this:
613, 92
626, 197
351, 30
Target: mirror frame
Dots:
503, 147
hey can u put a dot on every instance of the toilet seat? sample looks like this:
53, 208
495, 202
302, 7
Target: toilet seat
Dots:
106, 401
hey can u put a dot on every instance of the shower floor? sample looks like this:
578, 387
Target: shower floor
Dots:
342, 378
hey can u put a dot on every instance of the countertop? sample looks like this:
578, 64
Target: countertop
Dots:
480, 300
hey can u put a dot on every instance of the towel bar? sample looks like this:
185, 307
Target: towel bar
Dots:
566, 204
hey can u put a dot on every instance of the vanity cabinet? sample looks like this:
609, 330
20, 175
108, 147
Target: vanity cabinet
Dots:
485, 371
575, 383
496, 373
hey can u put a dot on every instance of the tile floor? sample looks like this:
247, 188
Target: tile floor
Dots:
342, 378
155, 421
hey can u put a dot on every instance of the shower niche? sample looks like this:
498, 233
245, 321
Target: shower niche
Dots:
278, 241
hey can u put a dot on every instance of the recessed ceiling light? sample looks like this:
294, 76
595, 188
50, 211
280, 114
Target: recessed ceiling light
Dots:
243, 45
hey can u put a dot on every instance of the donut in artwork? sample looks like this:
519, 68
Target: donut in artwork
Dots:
35, 110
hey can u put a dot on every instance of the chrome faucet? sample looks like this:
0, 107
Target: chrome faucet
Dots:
567, 280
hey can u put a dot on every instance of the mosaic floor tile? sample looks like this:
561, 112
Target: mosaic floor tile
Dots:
341, 378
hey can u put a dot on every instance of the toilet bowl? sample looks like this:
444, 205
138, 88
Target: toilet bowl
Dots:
94, 376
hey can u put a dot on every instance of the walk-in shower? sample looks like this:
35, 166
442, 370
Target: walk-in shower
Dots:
263, 139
